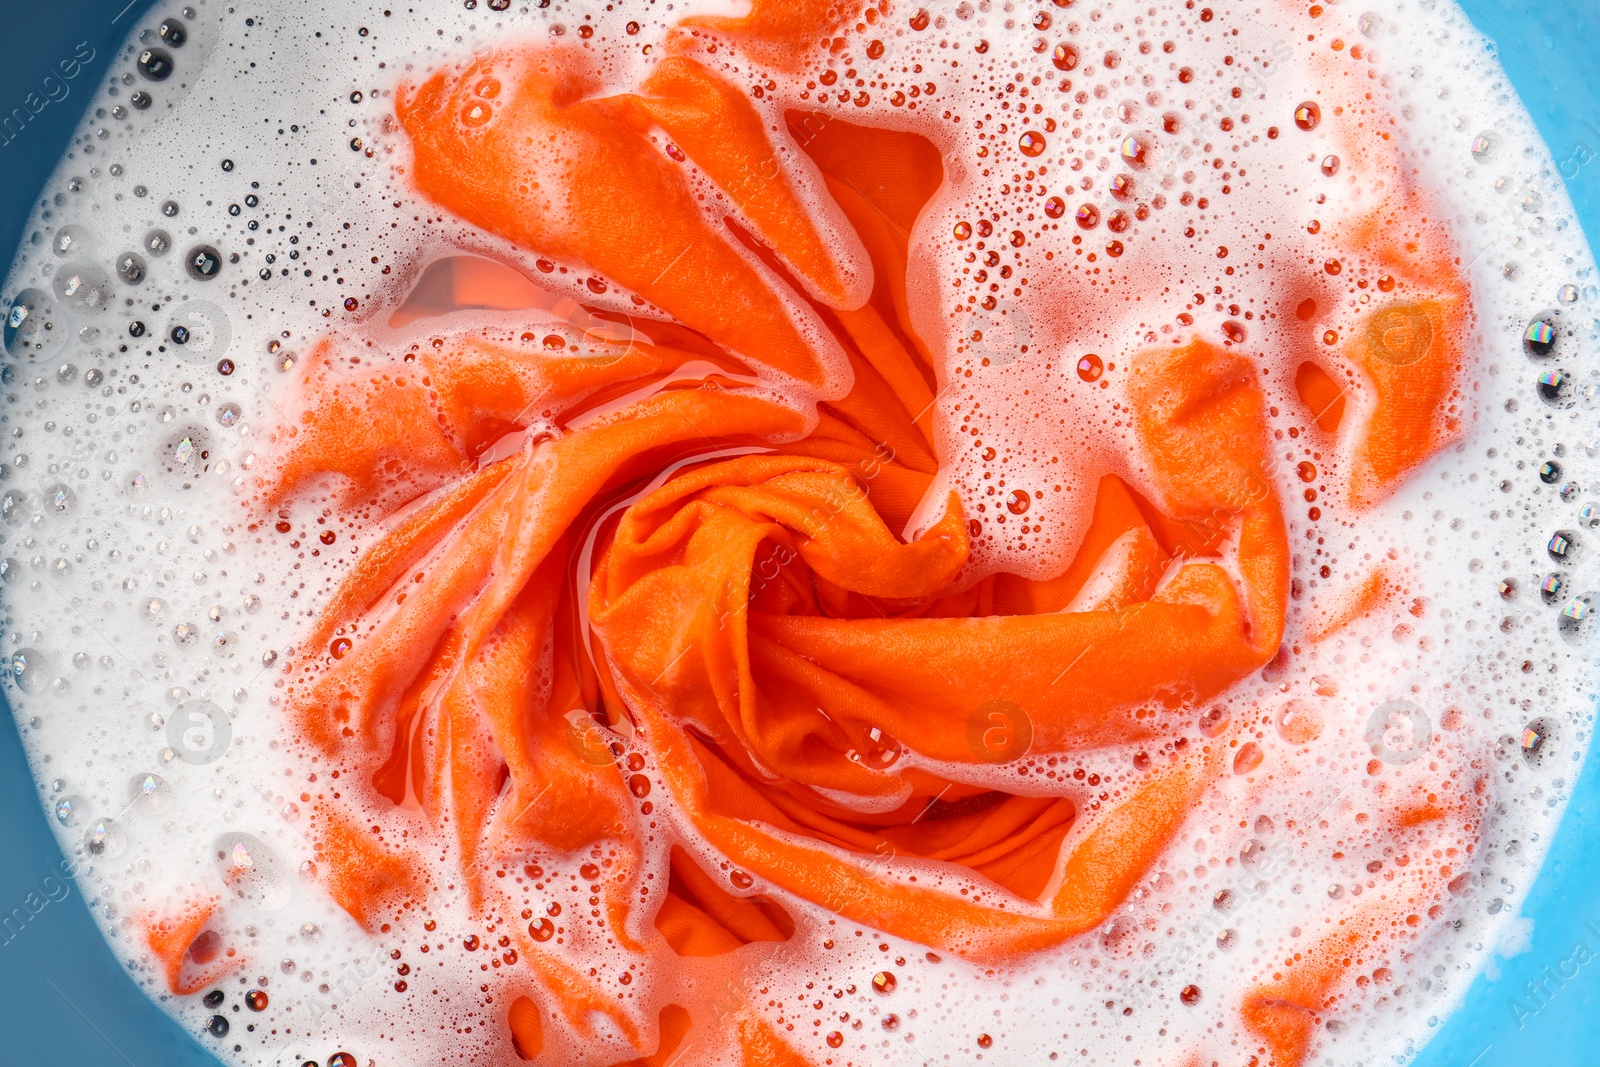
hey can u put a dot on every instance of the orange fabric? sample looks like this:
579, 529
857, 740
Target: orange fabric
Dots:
1377, 589
191, 958
782, 31
700, 918
1322, 396
608, 570
527, 1029
1283, 1010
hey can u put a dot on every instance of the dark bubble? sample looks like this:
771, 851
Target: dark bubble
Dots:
203, 262
227, 164
180, 335
141, 100
130, 267
135, 328
173, 32
1550, 473
214, 998
234, 209
499, 5
1555, 388
155, 64
170, 209
218, 1026
252, 200
1539, 339
158, 242
1563, 547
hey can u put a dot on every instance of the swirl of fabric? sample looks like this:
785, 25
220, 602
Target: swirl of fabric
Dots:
636, 611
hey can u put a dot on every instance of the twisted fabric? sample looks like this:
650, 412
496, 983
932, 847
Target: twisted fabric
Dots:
625, 582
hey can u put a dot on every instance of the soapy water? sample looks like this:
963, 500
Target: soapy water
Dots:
241, 191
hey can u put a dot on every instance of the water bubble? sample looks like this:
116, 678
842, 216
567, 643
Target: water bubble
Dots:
141, 100
173, 32
228, 414
1563, 547
1330, 165
70, 810
1537, 741
1065, 57
1138, 149
217, 1026
1567, 294
1308, 115
1370, 24
187, 453
71, 240
14, 506
155, 64
251, 871
1484, 146
884, 983
1589, 514
30, 670
1550, 588
1539, 339
31, 328
149, 793
1248, 758
1555, 388
1088, 217
1299, 723
131, 268
59, 499
158, 242
1031, 143
203, 262
1550, 472
1576, 620
1531, 202
105, 839
83, 286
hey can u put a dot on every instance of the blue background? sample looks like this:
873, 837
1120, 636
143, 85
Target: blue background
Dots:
65, 999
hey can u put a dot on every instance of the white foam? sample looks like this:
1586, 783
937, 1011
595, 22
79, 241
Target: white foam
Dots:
145, 591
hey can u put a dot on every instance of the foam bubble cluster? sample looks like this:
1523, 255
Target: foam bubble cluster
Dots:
242, 200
